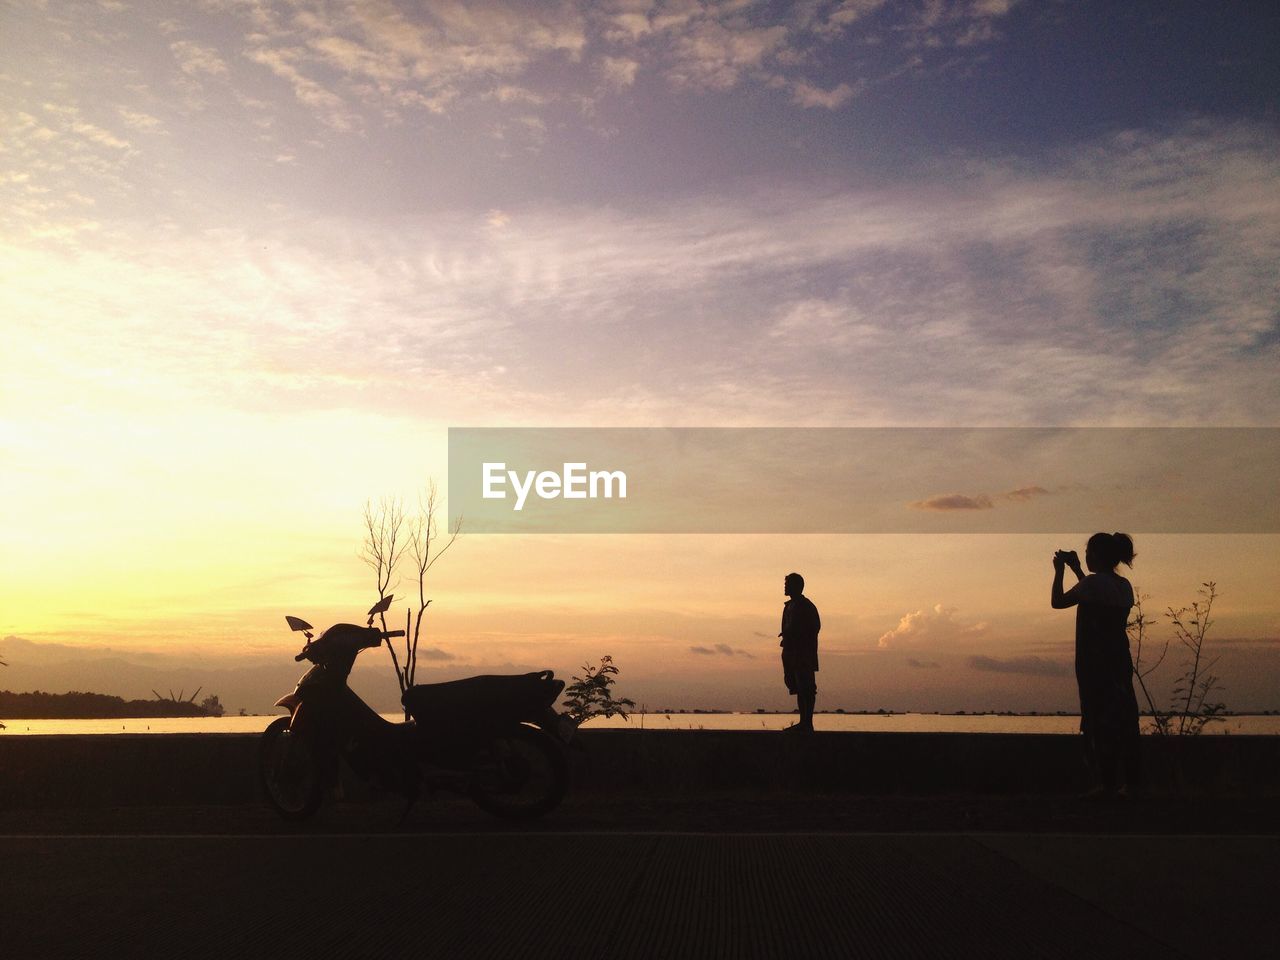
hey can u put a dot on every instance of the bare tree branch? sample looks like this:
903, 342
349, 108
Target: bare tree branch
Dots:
1137, 628
381, 551
389, 537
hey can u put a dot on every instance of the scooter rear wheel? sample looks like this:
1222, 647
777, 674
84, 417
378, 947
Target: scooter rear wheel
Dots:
519, 774
292, 778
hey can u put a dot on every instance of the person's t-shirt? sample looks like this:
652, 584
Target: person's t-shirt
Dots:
800, 626
1102, 641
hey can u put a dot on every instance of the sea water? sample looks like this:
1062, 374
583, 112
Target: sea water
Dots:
1245, 724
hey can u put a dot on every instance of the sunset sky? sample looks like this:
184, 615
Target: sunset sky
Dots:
257, 257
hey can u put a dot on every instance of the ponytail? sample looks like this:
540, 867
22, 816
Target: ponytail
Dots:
1123, 544
1112, 548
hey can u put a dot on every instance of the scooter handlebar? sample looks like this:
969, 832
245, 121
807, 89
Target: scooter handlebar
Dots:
388, 634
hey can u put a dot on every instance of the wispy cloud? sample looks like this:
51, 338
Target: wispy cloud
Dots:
341, 60
327, 105
196, 59
1031, 666
619, 72
807, 95
957, 23
137, 119
811, 298
954, 501
1023, 494
356, 65
721, 650
979, 501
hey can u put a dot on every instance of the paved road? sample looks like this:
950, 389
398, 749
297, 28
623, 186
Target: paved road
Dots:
493, 892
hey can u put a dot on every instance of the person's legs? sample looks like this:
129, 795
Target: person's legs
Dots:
1108, 754
1096, 753
1131, 765
806, 697
805, 701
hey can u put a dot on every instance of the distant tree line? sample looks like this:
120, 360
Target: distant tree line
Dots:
97, 706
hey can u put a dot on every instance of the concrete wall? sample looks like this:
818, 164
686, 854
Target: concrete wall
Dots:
128, 770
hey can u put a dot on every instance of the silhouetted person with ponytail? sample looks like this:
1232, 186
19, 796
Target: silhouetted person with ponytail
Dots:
1104, 668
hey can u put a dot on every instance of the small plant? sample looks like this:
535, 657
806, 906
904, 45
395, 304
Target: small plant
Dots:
589, 695
1137, 628
1192, 707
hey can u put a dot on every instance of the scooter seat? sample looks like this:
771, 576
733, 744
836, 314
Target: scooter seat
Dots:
504, 697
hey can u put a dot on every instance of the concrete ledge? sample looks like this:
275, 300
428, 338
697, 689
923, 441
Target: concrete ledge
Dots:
167, 769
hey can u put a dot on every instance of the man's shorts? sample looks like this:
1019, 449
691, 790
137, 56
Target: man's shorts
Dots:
798, 677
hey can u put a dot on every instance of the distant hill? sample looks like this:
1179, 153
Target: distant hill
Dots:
89, 706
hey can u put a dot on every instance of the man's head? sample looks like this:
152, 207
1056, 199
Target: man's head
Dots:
793, 585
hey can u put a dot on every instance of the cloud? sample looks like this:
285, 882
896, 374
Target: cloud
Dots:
713, 54
328, 106
807, 95
1247, 641
981, 501
954, 501
884, 304
343, 59
137, 119
195, 59
957, 23
837, 19
619, 72
356, 66
923, 664
1031, 666
991, 8
721, 650
250, 679
1025, 493
30, 652
95, 134
936, 625
513, 93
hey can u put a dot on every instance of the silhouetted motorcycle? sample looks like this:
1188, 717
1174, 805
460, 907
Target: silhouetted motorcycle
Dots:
489, 737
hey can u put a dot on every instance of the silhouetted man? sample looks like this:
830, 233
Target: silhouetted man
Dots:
800, 626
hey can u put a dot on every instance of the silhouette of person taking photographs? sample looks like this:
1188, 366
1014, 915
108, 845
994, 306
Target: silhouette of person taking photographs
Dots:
1104, 668
800, 626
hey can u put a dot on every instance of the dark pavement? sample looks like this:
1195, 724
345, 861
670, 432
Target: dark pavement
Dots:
231, 882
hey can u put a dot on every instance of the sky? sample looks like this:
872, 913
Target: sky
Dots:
257, 257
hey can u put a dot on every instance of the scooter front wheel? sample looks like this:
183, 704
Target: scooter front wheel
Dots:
519, 774
290, 771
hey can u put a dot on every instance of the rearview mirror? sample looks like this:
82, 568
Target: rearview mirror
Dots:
382, 606
297, 623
